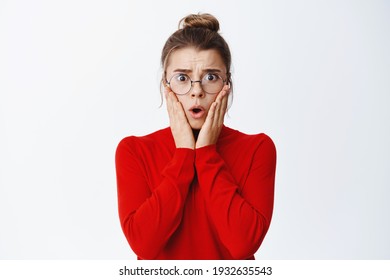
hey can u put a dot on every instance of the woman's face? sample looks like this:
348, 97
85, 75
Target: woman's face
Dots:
196, 64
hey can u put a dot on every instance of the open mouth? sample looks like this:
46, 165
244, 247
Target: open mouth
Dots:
197, 112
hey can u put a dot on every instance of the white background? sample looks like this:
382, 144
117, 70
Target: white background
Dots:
77, 76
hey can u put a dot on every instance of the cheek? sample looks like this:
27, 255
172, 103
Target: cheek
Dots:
211, 100
182, 101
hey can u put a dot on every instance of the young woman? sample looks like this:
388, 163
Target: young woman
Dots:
197, 189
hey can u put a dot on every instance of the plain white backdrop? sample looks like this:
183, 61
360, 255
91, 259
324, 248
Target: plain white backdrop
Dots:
78, 76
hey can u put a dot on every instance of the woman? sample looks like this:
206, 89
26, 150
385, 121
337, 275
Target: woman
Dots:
197, 189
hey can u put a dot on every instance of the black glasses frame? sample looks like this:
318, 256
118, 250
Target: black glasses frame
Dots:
192, 82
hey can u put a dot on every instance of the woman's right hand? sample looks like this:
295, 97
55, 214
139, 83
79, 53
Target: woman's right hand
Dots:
181, 129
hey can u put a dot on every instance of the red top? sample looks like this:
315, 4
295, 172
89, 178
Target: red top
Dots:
214, 202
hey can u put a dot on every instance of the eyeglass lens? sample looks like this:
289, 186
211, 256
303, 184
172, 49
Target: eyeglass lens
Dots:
181, 83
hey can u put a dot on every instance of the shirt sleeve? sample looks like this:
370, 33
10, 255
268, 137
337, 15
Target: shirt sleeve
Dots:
241, 218
149, 218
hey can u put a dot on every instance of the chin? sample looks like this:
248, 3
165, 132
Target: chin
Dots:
197, 124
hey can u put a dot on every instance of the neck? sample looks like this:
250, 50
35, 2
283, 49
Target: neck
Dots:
196, 133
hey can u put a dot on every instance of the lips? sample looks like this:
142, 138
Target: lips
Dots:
197, 112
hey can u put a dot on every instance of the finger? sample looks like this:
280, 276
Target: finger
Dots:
209, 122
222, 106
218, 119
217, 104
177, 108
225, 100
222, 95
170, 106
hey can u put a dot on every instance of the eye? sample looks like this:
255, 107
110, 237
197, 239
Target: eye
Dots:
181, 78
209, 77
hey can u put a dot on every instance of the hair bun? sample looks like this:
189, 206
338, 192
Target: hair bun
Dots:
200, 21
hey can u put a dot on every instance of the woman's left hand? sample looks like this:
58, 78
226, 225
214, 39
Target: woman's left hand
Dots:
212, 126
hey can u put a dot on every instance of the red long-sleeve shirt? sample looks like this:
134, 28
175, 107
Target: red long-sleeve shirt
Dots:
214, 202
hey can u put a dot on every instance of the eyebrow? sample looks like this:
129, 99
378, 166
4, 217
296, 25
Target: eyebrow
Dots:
204, 70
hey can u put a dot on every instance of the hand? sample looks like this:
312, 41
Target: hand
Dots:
181, 129
212, 126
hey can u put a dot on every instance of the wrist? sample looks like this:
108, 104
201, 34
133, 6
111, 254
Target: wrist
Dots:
185, 145
203, 144
199, 146
206, 152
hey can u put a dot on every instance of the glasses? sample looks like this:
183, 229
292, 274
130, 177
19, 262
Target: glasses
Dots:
181, 84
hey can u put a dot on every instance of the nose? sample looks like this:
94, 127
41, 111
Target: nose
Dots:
197, 90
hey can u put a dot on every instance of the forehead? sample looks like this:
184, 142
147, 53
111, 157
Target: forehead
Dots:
195, 60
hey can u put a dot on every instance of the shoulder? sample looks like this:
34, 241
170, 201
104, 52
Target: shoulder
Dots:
247, 152
235, 137
157, 136
162, 137
238, 145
